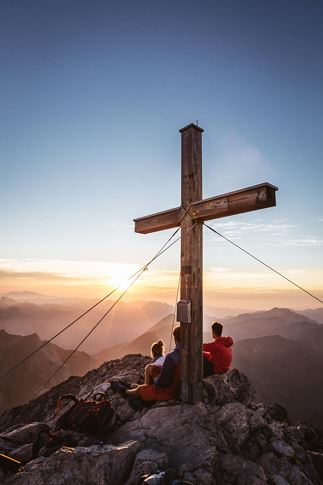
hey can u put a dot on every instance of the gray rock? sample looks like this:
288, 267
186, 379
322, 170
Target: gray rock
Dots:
234, 469
200, 476
84, 466
123, 409
257, 441
283, 449
179, 429
6, 446
29, 433
278, 480
147, 462
229, 387
274, 465
276, 412
236, 422
277, 429
24, 453
317, 459
297, 477
68, 438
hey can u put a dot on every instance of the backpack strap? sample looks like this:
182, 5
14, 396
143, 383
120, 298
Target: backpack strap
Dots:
62, 398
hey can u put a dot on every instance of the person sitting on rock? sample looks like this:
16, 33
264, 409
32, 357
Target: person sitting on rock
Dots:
152, 371
217, 355
167, 384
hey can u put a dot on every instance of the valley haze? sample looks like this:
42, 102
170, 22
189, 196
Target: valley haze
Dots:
281, 350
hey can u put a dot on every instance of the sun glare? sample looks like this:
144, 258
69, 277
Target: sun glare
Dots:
119, 276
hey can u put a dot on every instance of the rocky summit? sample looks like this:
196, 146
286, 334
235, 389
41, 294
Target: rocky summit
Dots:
225, 439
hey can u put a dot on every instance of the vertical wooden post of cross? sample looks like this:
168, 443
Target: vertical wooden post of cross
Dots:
191, 265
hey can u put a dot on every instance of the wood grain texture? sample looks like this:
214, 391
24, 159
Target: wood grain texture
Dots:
159, 221
192, 258
245, 200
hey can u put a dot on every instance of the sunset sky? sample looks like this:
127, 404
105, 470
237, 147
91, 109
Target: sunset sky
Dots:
92, 96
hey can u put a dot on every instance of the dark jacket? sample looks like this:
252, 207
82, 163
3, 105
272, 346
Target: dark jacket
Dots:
169, 370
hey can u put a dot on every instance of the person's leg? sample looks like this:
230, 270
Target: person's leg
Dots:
148, 374
207, 367
151, 371
132, 392
144, 391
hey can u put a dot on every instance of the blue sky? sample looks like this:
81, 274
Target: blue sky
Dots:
92, 96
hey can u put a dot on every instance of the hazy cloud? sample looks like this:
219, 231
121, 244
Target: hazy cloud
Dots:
308, 242
234, 230
280, 232
65, 268
7, 274
218, 269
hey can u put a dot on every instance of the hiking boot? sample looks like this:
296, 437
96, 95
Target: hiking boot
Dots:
117, 386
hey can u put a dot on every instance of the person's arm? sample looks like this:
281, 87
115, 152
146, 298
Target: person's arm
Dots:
209, 347
167, 372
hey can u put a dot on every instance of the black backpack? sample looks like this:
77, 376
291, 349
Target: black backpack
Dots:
95, 418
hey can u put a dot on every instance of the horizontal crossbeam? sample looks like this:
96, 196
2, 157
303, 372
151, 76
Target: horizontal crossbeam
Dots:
159, 221
244, 200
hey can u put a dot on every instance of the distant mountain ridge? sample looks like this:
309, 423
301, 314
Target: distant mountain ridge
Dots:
22, 384
286, 371
277, 321
162, 330
127, 321
316, 314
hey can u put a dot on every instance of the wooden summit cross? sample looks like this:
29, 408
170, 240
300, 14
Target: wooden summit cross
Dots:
190, 216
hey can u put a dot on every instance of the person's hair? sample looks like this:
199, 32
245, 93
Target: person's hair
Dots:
157, 349
217, 328
177, 333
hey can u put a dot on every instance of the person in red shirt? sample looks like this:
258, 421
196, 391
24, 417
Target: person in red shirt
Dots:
217, 355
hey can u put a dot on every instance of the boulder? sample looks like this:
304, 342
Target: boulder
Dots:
235, 470
28, 433
84, 466
147, 462
229, 387
24, 453
179, 429
283, 449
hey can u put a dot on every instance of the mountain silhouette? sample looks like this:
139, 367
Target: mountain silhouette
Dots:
277, 321
316, 314
127, 321
286, 371
23, 383
141, 345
